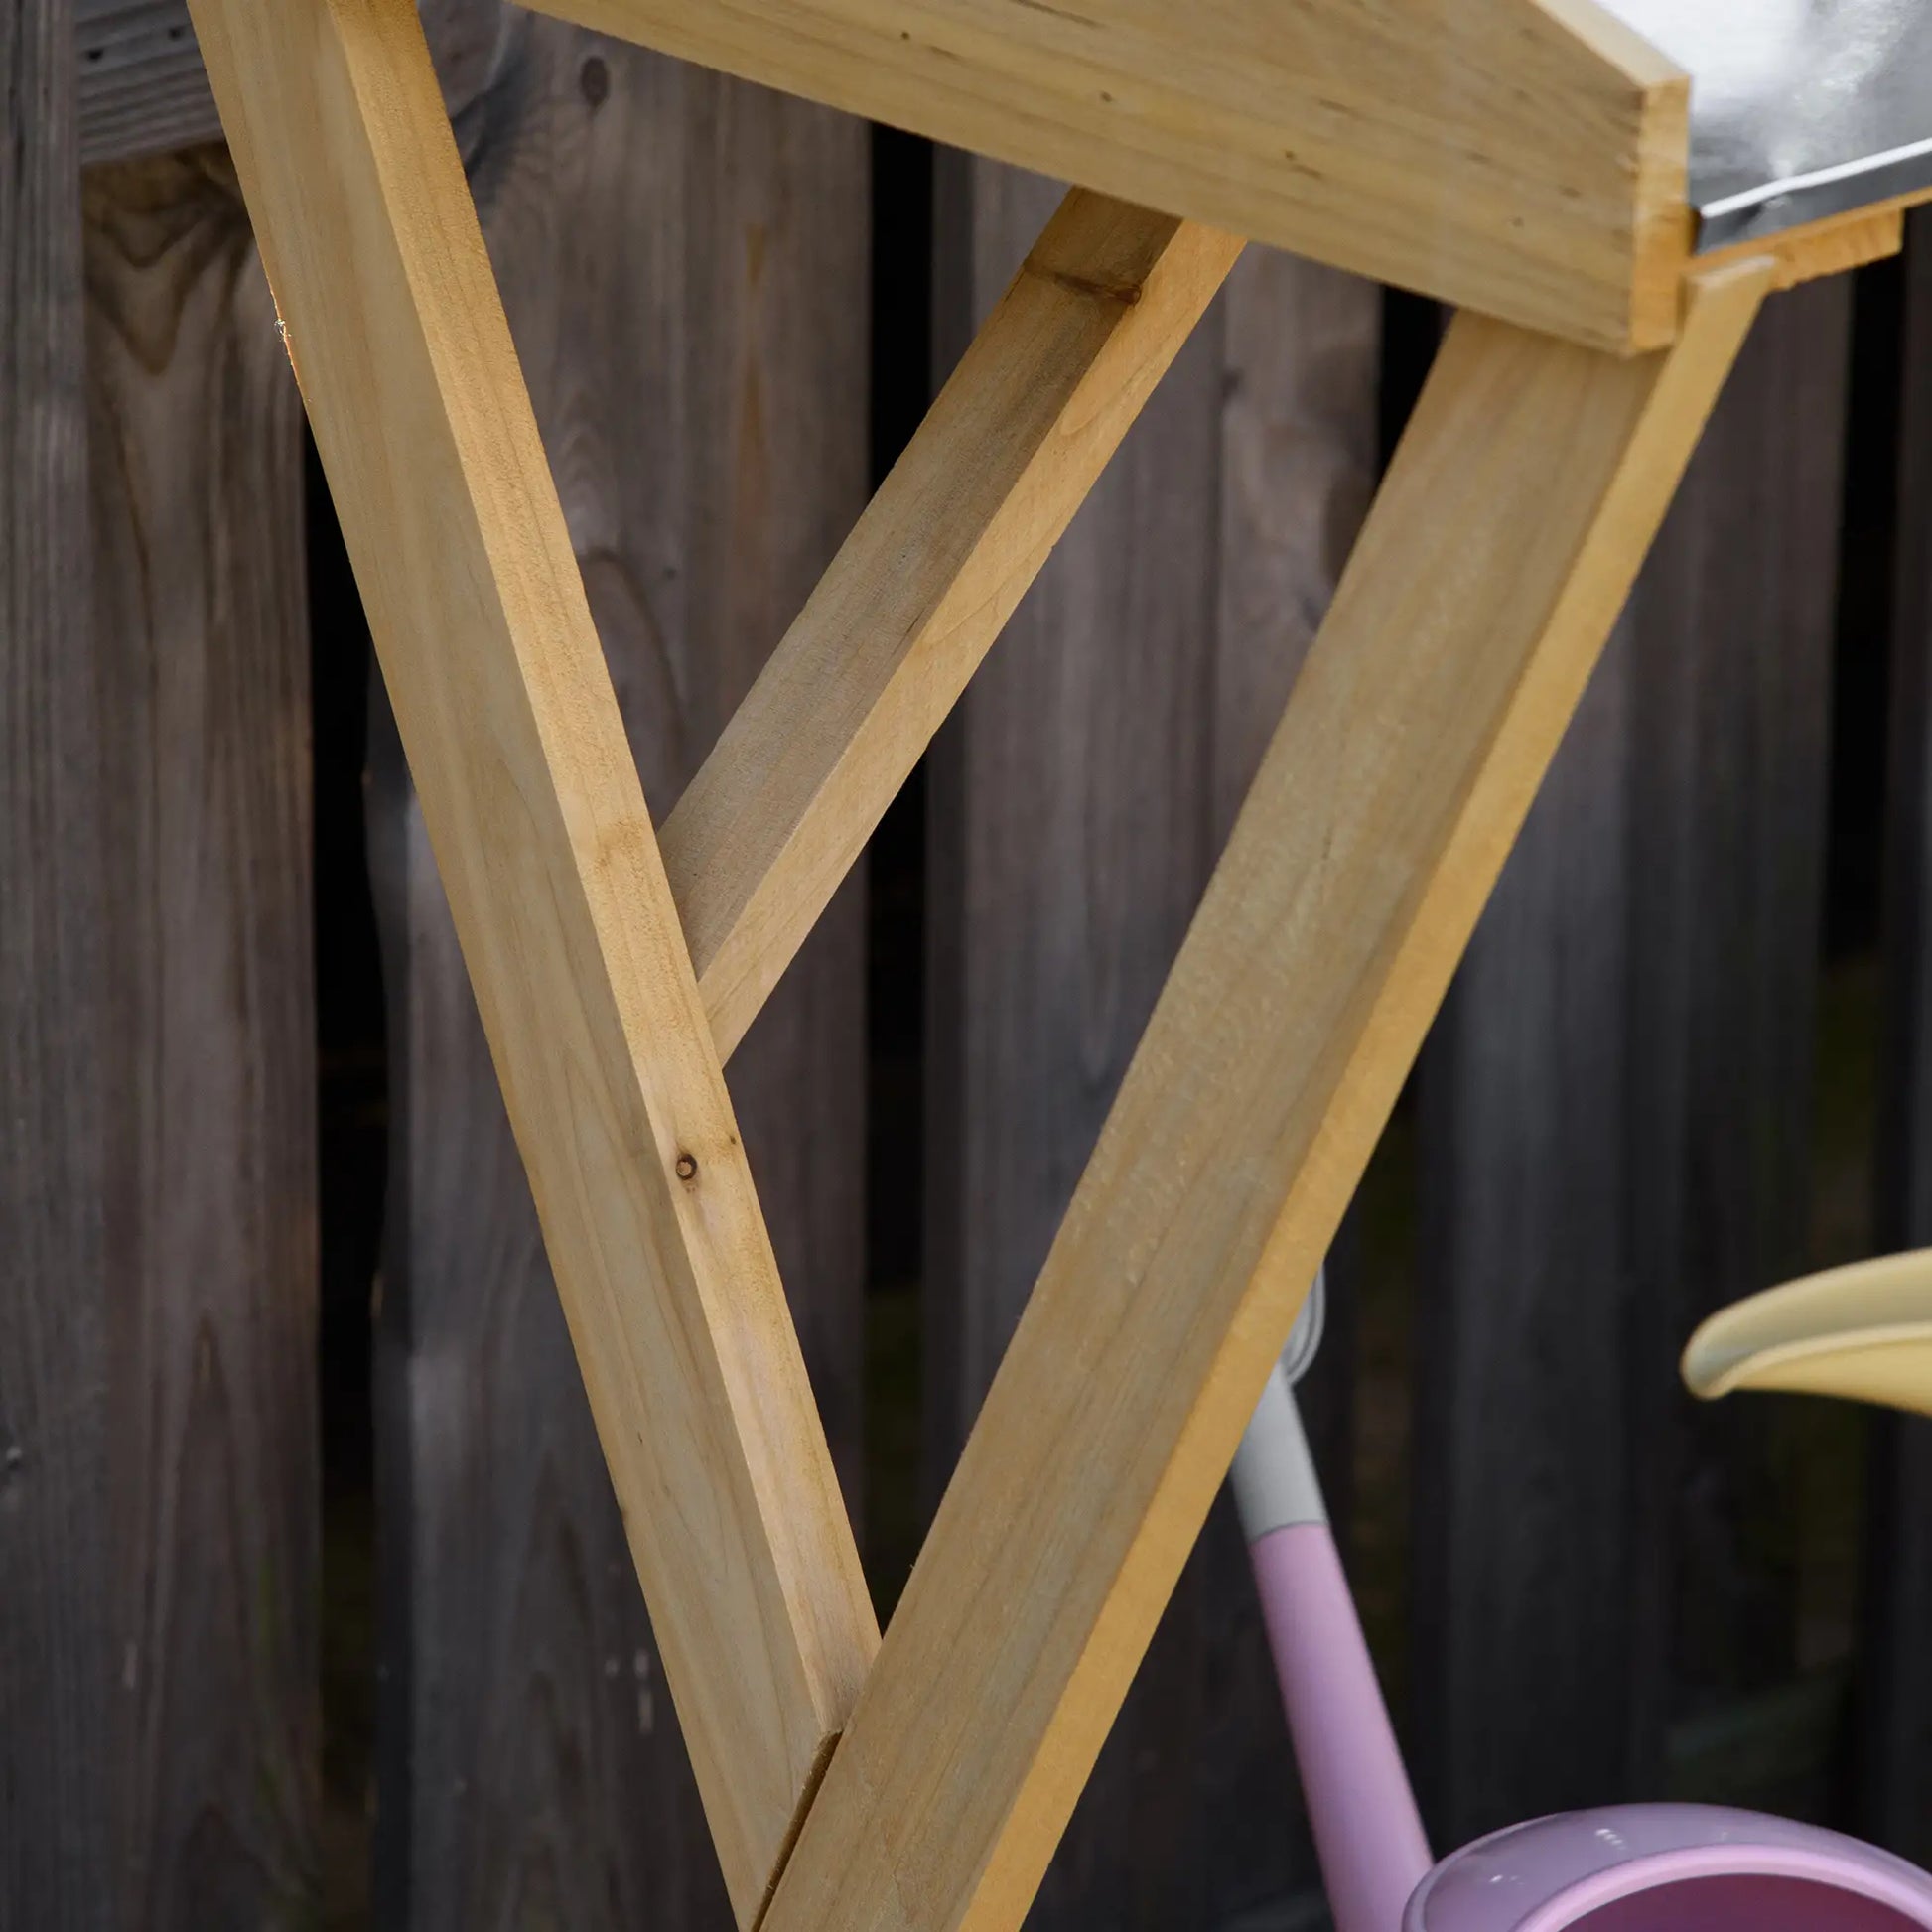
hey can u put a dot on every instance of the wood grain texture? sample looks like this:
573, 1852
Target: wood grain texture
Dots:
1831, 247
1520, 1461
1895, 1715
1077, 808
531, 800
917, 597
202, 623
530, 1763
56, 1748
1529, 485
142, 89
1524, 157
1616, 1109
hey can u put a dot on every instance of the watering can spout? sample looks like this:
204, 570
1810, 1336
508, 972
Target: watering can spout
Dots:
1863, 1332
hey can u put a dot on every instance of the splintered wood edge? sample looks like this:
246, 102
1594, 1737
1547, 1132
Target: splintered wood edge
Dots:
1832, 247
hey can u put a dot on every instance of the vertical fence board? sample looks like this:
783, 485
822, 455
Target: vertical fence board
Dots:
1897, 1768
55, 1762
201, 634
684, 263
1077, 803
1523, 1663
1615, 1139
1299, 388
1730, 728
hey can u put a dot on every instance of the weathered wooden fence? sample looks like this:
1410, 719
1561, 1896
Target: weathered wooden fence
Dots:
1579, 1587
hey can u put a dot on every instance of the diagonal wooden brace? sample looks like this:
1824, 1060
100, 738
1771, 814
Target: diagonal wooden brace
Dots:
926, 582
1491, 569
565, 916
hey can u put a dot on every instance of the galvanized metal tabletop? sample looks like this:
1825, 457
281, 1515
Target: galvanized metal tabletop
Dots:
1798, 108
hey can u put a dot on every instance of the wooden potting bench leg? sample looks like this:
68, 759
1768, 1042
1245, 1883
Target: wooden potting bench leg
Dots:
612, 978
567, 924
1491, 568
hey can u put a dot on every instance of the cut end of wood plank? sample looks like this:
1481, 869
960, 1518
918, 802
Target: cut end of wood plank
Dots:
1660, 223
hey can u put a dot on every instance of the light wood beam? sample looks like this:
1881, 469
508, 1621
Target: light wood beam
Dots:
540, 831
1490, 571
1522, 157
926, 583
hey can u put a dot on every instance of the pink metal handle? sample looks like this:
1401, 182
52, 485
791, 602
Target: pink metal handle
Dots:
1366, 1826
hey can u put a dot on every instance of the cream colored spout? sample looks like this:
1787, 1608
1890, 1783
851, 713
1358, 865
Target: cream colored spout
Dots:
1864, 1332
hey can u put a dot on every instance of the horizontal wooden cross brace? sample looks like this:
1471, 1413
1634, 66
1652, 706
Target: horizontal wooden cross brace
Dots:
613, 975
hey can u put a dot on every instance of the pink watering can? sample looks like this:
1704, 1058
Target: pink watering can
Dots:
1864, 1332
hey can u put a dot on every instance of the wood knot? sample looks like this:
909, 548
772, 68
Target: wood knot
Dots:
1127, 293
687, 1166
